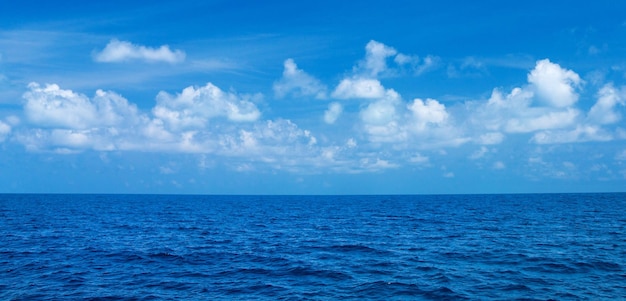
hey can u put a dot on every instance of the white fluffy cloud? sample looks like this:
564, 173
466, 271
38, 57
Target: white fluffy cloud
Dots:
378, 55
603, 112
429, 112
545, 108
121, 51
298, 83
389, 129
384, 116
555, 85
332, 114
202, 120
545, 104
382, 121
194, 107
53, 107
63, 119
375, 61
359, 88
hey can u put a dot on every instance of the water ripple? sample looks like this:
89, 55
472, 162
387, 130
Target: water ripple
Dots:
147, 247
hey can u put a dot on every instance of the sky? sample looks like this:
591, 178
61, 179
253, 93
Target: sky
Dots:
312, 97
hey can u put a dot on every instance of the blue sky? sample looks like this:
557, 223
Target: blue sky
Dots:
312, 97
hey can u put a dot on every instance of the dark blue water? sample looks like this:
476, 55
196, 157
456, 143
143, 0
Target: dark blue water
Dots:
146, 247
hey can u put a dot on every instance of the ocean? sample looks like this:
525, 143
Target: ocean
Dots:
401, 247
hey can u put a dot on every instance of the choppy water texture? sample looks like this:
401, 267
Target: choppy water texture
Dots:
146, 247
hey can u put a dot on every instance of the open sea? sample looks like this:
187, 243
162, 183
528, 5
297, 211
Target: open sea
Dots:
411, 247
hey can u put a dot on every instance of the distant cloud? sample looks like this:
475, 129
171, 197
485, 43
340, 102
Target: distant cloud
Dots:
603, 111
378, 56
391, 129
581, 133
382, 121
5, 129
195, 106
536, 120
120, 51
469, 67
333, 112
544, 107
490, 138
375, 61
298, 83
419, 159
427, 112
479, 153
204, 120
358, 88
498, 165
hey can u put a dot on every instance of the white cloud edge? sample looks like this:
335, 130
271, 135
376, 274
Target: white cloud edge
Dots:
117, 51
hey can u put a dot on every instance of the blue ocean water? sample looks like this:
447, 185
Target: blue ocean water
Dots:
446, 247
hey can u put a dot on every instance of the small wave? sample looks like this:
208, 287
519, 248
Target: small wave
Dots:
552, 268
356, 248
309, 272
606, 266
516, 287
166, 256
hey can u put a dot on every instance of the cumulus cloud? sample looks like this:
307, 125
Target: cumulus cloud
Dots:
359, 88
332, 114
378, 56
555, 85
381, 120
375, 61
54, 107
60, 118
384, 116
203, 120
121, 51
298, 83
545, 108
51, 106
603, 111
429, 112
66, 120
389, 129
195, 106
544, 105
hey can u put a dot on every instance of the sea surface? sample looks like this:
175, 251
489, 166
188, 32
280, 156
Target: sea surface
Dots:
443, 247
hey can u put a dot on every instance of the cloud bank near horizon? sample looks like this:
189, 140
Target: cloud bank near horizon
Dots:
385, 130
